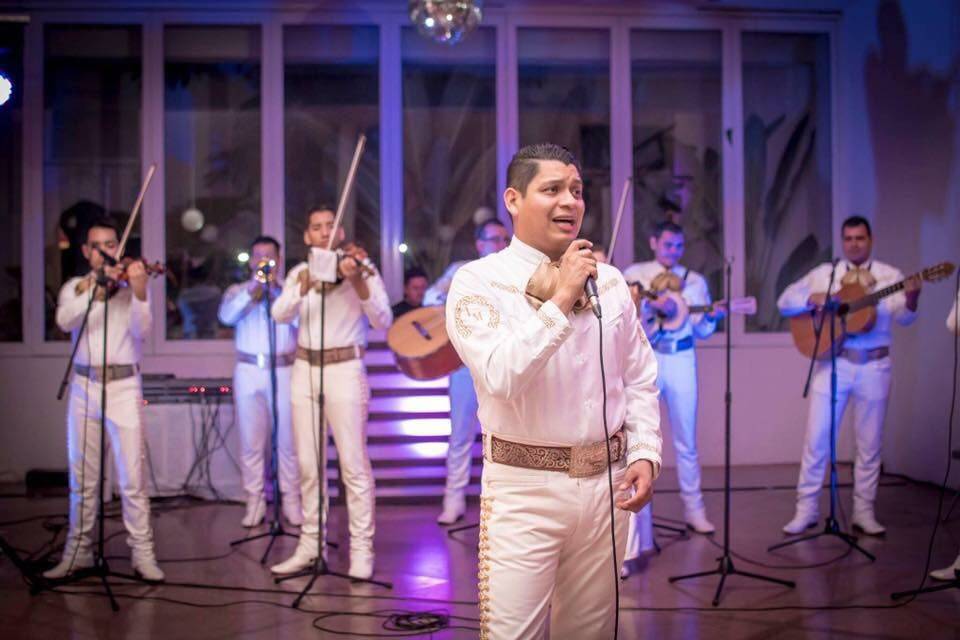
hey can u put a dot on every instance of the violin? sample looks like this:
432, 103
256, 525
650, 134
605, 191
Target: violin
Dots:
122, 280
353, 251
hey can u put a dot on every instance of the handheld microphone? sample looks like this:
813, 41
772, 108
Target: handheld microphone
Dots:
590, 288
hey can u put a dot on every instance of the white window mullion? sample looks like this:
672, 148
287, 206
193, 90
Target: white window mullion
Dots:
621, 142
272, 190
734, 245
154, 204
391, 158
32, 197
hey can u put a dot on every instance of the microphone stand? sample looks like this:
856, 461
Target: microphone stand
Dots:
831, 311
725, 562
276, 525
320, 566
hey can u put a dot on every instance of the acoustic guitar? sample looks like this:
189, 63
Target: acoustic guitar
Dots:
856, 313
421, 346
656, 325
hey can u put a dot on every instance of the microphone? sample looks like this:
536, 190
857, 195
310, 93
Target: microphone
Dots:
590, 288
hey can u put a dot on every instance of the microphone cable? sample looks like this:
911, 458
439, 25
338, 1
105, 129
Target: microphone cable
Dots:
613, 528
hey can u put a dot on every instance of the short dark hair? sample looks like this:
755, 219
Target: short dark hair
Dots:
526, 162
481, 230
857, 221
665, 225
413, 272
101, 222
323, 206
266, 240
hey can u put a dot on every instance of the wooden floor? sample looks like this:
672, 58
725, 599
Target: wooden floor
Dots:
433, 572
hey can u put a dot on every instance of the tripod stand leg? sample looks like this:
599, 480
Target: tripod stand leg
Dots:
788, 543
915, 592
785, 583
852, 541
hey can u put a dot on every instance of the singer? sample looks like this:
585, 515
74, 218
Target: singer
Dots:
520, 322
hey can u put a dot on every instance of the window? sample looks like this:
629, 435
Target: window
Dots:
564, 97
91, 144
449, 146
677, 139
331, 96
212, 154
787, 165
11, 181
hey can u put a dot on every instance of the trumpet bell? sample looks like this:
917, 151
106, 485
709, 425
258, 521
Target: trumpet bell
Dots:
264, 270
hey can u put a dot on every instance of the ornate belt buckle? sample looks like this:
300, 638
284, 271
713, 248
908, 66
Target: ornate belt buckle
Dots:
588, 460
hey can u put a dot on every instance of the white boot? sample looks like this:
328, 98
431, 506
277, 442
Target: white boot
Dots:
303, 558
867, 523
947, 574
803, 519
697, 521
256, 510
293, 510
144, 564
71, 561
454, 506
361, 562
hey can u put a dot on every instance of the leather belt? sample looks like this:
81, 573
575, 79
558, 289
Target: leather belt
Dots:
330, 356
577, 461
262, 360
863, 356
674, 346
114, 371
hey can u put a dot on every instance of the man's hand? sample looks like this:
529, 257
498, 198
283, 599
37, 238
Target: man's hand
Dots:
665, 306
911, 287
304, 277
639, 475
137, 276
576, 265
718, 311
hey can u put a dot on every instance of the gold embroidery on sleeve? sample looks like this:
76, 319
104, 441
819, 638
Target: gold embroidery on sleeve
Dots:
509, 288
549, 322
475, 310
606, 286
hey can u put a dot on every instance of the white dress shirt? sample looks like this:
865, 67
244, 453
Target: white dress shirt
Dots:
252, 333
695, 293
128, 324
537, 374
793, 300
346, 317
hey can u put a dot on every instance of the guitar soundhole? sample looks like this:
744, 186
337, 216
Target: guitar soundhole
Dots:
422, 330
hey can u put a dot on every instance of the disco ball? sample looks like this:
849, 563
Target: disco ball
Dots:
446, 21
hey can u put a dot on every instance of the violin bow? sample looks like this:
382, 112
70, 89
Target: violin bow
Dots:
619, 218
136, 210
347, 188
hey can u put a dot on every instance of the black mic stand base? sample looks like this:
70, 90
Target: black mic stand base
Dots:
830, 528
320, 568
952, 584
725, 568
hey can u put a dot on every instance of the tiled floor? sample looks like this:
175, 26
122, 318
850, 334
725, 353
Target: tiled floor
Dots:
431, 571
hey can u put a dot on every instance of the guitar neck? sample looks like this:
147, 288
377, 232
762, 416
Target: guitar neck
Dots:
875, 297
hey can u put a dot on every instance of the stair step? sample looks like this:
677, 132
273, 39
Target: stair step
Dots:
407, 393
419, 476
410, 404
411, 428
411, 454
396, 380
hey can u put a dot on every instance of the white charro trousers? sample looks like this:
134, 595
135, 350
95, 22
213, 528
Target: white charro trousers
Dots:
865, 387
464, 426
346, 399
677, 381
252, 397
125, 433
546, 552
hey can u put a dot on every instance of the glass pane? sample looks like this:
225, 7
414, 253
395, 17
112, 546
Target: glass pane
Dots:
91, 146
564, 97
677, 140
449, 146
212, 155
788, 212
11, 161
331, 87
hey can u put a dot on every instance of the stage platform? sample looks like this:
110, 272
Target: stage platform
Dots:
433, 572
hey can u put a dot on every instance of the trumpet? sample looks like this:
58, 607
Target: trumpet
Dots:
265, 270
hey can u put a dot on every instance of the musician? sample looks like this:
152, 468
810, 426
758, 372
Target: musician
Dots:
863, 376
128, 325
414, 286
676, 360
350, 305
953, 571
243, 307
489, 237
545, 539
